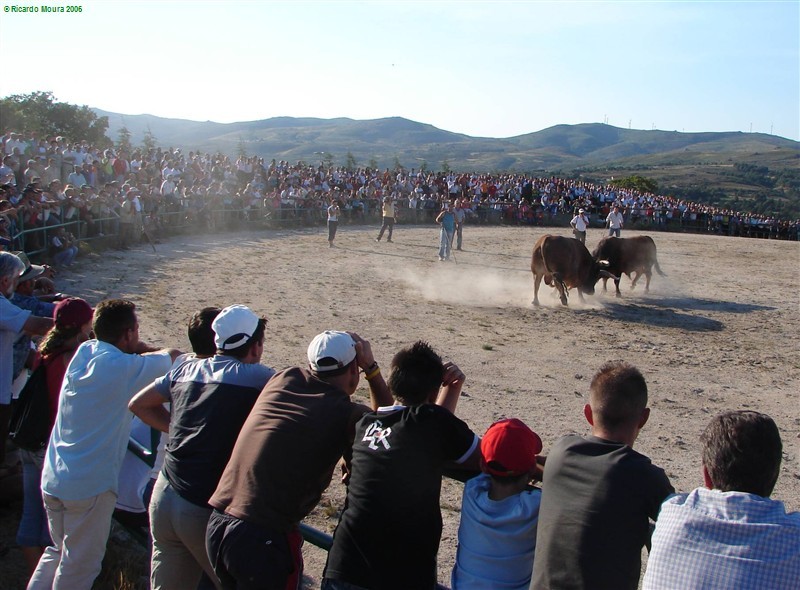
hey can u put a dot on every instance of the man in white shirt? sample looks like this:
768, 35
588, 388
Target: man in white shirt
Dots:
614, 221
579, 225
83, 459
729, 533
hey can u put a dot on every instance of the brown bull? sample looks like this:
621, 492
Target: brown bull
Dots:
565, 263
628, 255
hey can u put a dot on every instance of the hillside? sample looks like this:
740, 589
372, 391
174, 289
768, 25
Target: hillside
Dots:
702, 166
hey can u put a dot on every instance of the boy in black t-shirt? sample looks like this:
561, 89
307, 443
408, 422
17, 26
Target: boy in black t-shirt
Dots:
598, 494
392, 511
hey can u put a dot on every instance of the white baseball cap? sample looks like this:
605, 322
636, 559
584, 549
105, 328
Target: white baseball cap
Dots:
331, 350
234, 326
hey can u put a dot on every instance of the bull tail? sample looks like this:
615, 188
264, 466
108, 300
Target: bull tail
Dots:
658, 268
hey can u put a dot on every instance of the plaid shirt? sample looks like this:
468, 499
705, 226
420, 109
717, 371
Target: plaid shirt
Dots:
721, 540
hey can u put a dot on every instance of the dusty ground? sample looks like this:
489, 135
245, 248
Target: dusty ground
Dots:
720, 332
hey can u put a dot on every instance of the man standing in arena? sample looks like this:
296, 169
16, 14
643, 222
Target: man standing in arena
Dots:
389, 211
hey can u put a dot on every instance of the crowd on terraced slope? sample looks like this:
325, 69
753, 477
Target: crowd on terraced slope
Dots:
54, 181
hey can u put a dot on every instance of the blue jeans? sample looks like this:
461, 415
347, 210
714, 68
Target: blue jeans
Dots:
445, 243
33, 530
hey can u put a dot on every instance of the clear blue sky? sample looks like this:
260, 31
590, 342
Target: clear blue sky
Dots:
493, 69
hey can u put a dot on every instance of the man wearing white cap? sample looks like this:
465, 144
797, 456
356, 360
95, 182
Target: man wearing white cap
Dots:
579, 224
301, 425
210, 399
13, 321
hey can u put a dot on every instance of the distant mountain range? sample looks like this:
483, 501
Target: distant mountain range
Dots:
699, 161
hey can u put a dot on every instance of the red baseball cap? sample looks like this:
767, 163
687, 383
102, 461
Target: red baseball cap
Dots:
509, 448
72, 312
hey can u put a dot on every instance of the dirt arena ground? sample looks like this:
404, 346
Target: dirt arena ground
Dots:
719, 332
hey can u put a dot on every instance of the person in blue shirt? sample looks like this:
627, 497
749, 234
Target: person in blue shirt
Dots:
729, 533
500, 511
447, 220
84, 456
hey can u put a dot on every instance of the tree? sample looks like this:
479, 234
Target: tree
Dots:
445, 166
373, 163
423, 166
327, 160
397, 165
350, 162
149, 141
40, 113
638, 183
241, 148
124, 139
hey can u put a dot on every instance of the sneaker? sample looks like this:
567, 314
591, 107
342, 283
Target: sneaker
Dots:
441, 258
377, 239
388, 240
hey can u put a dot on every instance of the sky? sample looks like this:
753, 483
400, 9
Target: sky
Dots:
485, 69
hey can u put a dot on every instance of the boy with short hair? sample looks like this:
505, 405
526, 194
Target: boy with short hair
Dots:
598, 494
389, 531
499, 511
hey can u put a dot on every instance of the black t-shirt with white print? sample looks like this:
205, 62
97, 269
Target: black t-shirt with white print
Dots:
388, 535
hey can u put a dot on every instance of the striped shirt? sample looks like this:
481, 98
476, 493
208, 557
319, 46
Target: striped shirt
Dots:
720, 540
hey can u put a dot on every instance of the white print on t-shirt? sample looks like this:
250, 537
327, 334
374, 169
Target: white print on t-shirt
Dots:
377, 434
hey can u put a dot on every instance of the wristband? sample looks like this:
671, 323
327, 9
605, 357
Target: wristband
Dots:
374, 373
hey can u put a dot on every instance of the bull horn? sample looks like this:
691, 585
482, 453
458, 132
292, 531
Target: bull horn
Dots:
603, 263
607, 275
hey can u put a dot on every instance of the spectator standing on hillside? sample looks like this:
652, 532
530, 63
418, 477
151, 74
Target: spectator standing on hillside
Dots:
614, 221
83, 459
389, 212
729, 533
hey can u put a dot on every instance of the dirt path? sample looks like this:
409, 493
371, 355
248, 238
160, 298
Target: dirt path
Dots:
720, 332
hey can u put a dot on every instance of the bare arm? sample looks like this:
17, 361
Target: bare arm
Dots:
37, 326
144, 348
452, 382
379, 394
148, 405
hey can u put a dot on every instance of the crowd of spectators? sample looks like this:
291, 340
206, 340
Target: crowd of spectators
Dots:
46, 182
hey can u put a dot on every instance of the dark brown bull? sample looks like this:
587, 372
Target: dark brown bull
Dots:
565, 263
628, 255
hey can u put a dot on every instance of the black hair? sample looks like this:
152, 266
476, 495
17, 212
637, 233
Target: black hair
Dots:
417, 373
241, 351
112, 318
201, 335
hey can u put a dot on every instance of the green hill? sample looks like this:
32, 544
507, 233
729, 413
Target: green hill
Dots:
748, 171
